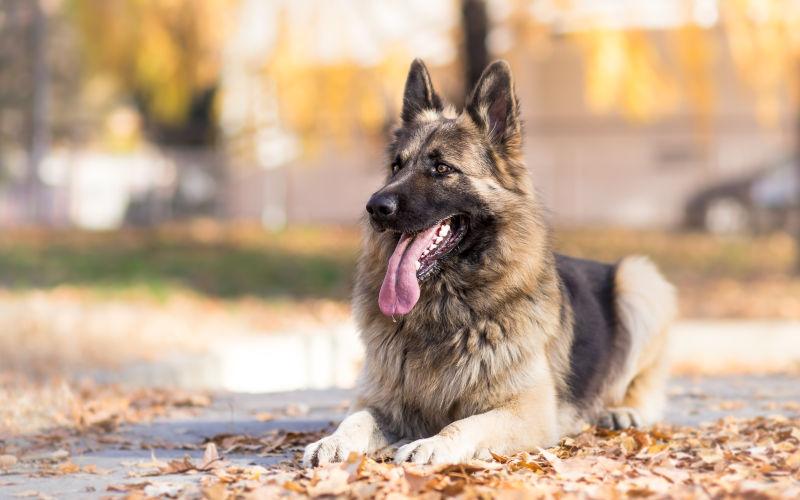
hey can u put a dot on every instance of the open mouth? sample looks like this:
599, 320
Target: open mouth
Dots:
415, 258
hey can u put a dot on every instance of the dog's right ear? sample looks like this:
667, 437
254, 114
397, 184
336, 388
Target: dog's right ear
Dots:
494, 108
419, 94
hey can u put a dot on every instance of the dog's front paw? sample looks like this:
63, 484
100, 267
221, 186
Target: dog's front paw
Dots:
334, 448
434, 450
619, 418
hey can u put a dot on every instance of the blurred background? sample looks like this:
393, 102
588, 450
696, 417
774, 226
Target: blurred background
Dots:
181, 181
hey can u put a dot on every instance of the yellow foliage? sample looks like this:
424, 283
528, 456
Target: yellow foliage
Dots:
624, 71
339, 101
164, 51
696, 52
764, 39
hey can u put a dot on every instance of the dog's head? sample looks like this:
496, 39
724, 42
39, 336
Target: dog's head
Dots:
449, 178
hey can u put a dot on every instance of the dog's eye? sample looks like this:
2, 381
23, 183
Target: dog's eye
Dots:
397, 164
442, 169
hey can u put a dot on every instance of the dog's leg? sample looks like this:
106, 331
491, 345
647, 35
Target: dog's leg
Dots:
521, 425
644, 398
645, 305
643, 402
359, 433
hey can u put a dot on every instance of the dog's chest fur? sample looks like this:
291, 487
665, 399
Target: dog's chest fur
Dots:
444, 362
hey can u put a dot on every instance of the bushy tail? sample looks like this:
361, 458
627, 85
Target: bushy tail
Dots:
646, 301
646, 304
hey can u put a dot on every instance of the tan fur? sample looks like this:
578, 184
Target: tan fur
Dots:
646, 305
482, 360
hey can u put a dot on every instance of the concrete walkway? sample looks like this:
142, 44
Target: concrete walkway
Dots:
692, 401
331, 356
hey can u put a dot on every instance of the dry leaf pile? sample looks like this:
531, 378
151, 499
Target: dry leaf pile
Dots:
753, 458
83, 416
274, 442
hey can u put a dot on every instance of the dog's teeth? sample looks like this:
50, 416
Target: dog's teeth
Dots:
417, 265
444, 230
433, 245
438, 239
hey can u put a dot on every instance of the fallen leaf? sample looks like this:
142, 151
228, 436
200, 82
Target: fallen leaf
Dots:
265, 416
552, 459
68, 468
629, 445
329, 481
500, 458
295, 487
211, 458
127, 487
178, 466
416, 481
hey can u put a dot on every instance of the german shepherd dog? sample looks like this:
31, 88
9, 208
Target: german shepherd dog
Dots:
478, 336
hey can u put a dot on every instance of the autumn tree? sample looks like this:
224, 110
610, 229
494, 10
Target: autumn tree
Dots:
625, 70
166, 54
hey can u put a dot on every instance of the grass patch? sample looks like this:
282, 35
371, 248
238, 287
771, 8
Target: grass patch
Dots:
716, 277
687, 255
226, 264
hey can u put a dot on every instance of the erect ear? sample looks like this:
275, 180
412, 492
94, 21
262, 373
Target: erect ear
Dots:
493, 105
419, 94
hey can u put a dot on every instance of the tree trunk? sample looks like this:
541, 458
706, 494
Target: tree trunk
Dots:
475, 24
39, 131
795, 218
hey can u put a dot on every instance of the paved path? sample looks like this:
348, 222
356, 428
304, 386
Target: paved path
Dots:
692, 401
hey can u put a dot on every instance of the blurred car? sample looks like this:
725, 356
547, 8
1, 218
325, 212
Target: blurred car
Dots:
759, 202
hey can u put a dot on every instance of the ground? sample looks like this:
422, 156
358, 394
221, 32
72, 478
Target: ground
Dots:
157, 443
172, 312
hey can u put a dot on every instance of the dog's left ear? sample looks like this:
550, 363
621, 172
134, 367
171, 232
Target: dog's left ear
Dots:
493, 106
419, 94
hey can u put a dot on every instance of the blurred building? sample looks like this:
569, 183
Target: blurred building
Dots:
591, 167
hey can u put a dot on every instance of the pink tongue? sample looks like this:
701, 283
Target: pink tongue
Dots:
400, 289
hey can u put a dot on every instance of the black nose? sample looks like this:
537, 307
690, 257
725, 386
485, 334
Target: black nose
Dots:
382, 206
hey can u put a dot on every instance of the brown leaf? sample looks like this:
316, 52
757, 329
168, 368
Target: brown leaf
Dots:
416, 481
68, 468
499, 458
178, 466
629, 445
355, 466
211, 458
330, 481
93, 469
7, 461
553, 460
295, 487
793, 461
216, 492
127, 487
